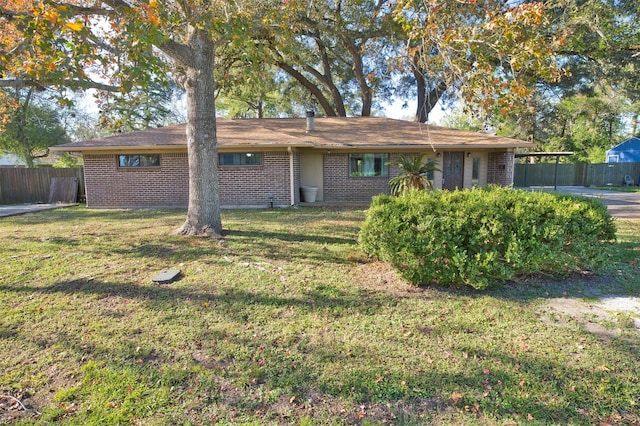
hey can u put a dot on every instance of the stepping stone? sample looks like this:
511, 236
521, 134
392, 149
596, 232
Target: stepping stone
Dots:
166, 277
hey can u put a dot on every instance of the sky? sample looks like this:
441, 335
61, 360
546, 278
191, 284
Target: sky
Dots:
395, 110
392, 110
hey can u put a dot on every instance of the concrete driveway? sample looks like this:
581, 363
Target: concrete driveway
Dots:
621, 205
13, 210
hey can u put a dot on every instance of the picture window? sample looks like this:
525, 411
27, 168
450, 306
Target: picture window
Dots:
139, 160
240, 159
368, 165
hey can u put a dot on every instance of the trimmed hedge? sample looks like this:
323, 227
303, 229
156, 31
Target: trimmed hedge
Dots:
486, 236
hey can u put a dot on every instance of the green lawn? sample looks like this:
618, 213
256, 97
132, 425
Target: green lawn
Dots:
287, 322
620, 188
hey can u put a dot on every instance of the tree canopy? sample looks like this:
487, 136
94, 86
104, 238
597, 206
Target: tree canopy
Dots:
31, 127
344, 56
116, 45
596, 104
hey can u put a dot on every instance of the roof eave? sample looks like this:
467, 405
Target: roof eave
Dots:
121, 148
173, 148
422, 147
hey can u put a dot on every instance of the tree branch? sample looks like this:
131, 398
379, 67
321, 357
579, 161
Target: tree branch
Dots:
20, 404
177, 51
11, 14
85, 84
315, 91
86, 10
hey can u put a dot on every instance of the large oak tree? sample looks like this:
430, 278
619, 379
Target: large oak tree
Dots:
490, 50
119, 44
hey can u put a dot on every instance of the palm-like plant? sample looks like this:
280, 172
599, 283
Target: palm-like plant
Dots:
414, 174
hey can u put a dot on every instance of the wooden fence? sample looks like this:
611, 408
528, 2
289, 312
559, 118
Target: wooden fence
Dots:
575, 174
19, 185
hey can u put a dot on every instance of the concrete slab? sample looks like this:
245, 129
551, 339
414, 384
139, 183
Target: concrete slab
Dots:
14, 210
621, 205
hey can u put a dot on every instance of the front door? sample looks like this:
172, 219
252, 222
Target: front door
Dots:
452, 165
312, 171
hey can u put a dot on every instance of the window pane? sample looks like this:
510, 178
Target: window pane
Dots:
475, 171
149, 160
138, 160
240, 159
368, 164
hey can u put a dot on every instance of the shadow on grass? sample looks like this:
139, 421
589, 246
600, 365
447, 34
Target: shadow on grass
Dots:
493, 383
288, 237
84, 214
161, 297
244, 246
303, 215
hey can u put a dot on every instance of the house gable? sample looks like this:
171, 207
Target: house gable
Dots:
625, 152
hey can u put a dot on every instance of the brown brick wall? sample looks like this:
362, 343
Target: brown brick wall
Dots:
500, 168
109, 186
339, 186
253, 185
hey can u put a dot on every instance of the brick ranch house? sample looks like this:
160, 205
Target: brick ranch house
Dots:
265, 162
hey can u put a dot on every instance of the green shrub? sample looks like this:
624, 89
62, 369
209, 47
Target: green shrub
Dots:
486, 236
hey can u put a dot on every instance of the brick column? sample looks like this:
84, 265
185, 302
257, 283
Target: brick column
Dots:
500, 168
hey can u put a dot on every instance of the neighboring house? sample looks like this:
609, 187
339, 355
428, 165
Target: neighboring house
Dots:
10, 160
626, 152
264, 162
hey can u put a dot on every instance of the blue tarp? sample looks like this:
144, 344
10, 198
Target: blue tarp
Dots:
627, 152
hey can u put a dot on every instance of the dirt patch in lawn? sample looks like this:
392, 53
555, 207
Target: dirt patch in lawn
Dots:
609, 317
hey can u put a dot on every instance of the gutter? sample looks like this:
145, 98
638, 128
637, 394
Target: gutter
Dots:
292, 186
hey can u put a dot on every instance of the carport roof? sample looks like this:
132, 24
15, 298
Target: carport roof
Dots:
334, 133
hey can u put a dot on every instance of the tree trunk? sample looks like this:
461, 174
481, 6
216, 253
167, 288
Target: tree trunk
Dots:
426, 101
203, 214
366, 93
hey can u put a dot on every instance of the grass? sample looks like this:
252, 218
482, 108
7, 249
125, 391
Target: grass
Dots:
286, 322
619, 188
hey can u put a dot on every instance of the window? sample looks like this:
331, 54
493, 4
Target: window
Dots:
368, 164
240, 159
475, 172
152, 160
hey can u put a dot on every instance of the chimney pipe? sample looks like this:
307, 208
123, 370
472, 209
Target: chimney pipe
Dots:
310, 124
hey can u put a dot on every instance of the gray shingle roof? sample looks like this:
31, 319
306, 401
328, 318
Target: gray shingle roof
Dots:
336, 133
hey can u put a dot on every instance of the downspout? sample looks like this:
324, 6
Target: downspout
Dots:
292, 186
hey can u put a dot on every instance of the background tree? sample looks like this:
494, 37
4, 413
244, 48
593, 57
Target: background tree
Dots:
492, 53
595, 103
31, 126
340, 52
116, 45
140, 108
